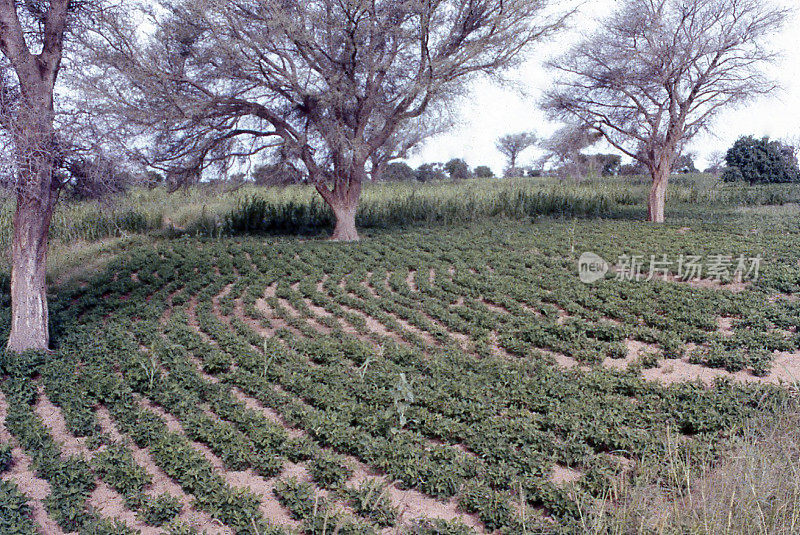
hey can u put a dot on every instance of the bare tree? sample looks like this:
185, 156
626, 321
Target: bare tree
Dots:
32, 43
334, 81
564, 148
658, 71
512, 145
716, 163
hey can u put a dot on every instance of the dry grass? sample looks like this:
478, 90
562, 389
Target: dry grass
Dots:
753, 489
75, 262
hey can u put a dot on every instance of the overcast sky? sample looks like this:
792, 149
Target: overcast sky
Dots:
493, 109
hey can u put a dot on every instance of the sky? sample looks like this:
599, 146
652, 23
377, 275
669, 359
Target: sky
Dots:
494, 109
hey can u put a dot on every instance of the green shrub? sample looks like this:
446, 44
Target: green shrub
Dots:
484, 171
371, 500
300, 449
329, 470
761, 161
438, 527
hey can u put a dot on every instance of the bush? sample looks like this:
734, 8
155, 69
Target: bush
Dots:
761, 161
329, 470
438, 527
484, 171
371, 500
430, 172
458, 169
732, 174
398, 172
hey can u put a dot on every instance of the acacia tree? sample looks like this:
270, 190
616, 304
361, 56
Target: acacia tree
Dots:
32, 43
335, 82
658, 71
512, 145
565, 146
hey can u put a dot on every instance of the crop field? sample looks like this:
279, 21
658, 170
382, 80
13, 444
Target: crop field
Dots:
449, 380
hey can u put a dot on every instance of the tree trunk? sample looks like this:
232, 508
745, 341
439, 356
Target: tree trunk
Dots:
343, 200
36, 197
30, 126
656, 201
345, 229
29, 312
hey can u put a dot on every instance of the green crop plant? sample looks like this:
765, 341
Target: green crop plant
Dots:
464, 363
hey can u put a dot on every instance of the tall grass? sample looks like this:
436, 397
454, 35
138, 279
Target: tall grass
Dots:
398, 205
298, 209
753, 489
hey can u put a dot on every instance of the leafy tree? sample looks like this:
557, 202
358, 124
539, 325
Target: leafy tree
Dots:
458, 169
484, 171
399, 172
761, 161
428, 172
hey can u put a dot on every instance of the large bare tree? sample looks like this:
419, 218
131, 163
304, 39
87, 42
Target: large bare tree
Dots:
32, 43
334, 82
657, 71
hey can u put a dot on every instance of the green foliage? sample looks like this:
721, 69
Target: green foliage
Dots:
105, 526
5, 457
438, 527
318, 516
398, 172
458, 169
484, 171
492, 507
431, 172
330, 471
759, 161
299, 498
207, 210
160, 509
216, 362
371, 500
15, 513
449, 384
118, 468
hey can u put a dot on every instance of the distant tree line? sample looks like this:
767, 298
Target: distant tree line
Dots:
455, 169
